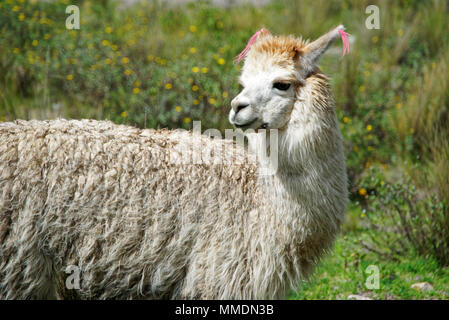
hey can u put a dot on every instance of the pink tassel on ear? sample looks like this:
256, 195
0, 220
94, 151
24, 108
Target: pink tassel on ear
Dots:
248, 46
344, 39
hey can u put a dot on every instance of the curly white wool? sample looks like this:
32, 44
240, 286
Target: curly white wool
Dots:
106, 198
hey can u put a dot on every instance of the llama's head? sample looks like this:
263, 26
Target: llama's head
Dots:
275, 68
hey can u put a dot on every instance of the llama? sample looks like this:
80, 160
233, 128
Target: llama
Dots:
106, 198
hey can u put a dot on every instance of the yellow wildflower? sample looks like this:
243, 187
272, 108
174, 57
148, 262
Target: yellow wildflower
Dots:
195, 69
178, 108
192, 28
168, 86
400, 32
15, 8
46, 36
34, 43
125, 60
105, 42
136, 90
221, 61
195, 87
21, 17
192, 50
204, 70
69, 77
362, 191
369, 127
225, 94
196, 102
137, 83
127, 72
107, 61
108, 29
187, 120
16, 50
375, 39
212, 101
124, 114
345, 119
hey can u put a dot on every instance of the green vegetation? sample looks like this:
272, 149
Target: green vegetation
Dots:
152, 65
345, 271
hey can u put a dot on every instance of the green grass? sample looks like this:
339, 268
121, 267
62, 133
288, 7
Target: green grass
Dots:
343, 271
152, 65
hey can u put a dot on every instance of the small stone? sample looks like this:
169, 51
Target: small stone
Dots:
358, 297
422, 286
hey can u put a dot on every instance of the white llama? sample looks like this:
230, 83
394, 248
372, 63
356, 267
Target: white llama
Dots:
106, 199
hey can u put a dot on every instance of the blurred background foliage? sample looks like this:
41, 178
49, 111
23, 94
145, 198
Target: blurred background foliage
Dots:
156, 64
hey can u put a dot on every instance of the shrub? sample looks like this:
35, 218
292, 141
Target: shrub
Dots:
401, 219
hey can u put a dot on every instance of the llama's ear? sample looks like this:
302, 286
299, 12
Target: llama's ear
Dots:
313, 51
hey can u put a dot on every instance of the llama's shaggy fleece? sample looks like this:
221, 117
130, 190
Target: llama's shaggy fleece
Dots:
113, 201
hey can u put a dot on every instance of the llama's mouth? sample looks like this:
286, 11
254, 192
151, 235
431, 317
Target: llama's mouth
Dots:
246, 125
250, 124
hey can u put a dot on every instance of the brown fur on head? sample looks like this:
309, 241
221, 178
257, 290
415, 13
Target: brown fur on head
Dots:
274, 67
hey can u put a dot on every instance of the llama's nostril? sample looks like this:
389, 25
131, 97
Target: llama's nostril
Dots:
240, 107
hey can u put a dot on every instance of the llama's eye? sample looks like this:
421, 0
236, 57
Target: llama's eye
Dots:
281, 86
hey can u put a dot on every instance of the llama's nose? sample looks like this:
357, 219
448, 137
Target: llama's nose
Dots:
239, 106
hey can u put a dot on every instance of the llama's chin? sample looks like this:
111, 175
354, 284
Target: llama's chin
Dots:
252, 124
255, 125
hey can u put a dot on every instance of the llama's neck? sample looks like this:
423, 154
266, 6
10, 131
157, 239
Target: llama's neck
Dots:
310, 168
304, 199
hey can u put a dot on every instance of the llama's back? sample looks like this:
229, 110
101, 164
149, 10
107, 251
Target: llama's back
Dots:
130, 208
